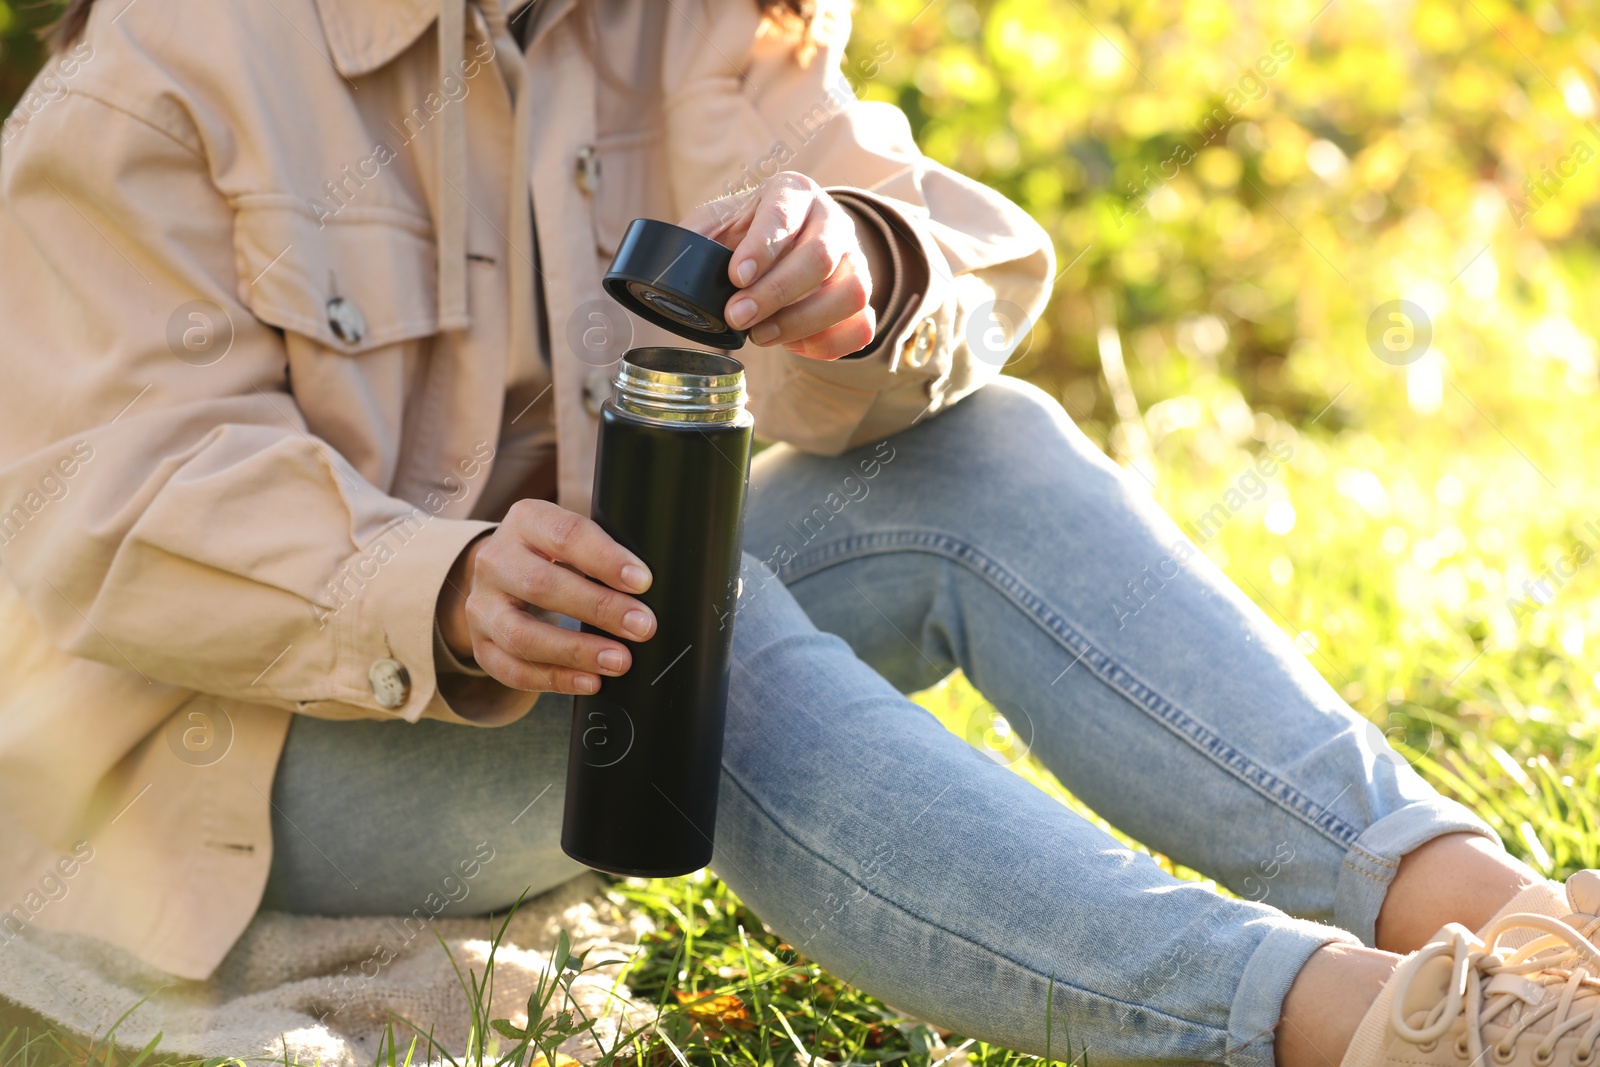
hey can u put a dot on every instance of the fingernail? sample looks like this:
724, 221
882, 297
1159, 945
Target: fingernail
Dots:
766, 333
613, 660
586, 683
741, 312
745, 272
638, 624
635, 577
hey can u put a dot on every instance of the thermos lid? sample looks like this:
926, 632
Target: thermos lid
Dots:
676, 279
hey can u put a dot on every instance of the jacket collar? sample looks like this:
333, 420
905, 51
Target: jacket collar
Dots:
363, 35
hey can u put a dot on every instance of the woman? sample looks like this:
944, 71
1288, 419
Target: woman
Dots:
301, 302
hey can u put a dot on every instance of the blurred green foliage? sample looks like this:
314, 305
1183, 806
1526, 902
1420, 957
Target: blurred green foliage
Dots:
1375, 162
20, 51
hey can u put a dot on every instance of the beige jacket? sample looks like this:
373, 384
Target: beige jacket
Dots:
275, 318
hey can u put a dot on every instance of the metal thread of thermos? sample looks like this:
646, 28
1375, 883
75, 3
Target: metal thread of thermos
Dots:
680, 385
671, 470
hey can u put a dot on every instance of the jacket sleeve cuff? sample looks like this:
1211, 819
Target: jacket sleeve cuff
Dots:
918, 285
395, 620
899, 252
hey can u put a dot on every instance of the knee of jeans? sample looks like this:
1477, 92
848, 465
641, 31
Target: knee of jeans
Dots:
752, 568
1020, 418
763, 606
756, 574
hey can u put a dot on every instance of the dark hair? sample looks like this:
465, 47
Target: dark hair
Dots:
793, 16
60, 34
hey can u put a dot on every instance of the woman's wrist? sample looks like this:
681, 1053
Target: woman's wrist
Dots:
451, 610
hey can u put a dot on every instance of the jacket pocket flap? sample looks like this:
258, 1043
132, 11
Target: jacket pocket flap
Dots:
355, 282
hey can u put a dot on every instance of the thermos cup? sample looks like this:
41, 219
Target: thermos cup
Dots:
671, 472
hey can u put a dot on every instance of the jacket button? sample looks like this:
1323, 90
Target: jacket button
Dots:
391, 683
586, 169
596, 390
346, 321
921, 348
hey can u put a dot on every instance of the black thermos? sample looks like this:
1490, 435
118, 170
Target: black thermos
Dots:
671, 470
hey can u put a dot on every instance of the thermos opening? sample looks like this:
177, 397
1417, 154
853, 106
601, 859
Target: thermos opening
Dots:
681, 385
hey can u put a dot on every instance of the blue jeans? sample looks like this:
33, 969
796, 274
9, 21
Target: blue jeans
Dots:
994, 538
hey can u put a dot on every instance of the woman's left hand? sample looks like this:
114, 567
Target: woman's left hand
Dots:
803, 265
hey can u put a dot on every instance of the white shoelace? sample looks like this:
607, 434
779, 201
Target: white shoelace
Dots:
1484, 984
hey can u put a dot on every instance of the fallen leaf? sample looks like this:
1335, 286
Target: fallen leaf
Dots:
716, 1012
562, 1060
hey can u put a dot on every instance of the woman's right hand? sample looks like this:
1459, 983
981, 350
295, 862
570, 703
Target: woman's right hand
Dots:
539, 557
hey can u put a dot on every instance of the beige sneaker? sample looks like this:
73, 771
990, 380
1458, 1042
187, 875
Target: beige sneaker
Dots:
1577, 903
1470, 1001
1583, 897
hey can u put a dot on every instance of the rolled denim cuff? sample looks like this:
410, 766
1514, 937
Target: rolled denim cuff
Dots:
1257, 1008
1372, 862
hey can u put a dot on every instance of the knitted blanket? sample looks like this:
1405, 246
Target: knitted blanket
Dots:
320, 991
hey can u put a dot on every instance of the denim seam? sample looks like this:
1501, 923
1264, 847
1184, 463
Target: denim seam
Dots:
1248, 1040
1366, 877
1373, 857
1367, 874
1218, 1031
1199, 735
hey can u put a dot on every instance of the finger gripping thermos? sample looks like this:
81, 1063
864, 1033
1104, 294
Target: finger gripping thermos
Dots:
671, 470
